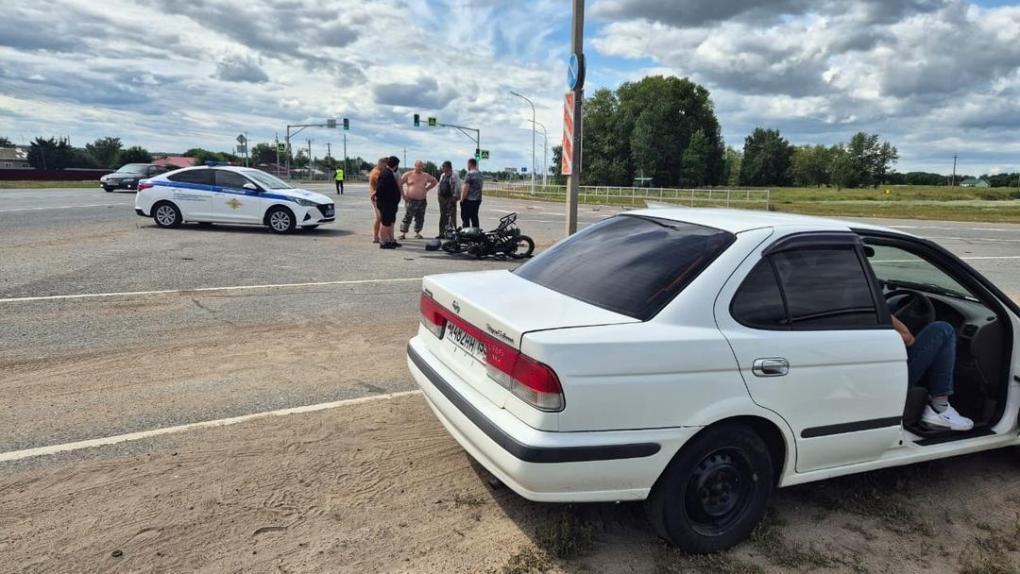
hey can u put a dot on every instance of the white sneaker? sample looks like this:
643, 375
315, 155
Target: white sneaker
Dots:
949, 419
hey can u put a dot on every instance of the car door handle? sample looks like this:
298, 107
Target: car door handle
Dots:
771, 367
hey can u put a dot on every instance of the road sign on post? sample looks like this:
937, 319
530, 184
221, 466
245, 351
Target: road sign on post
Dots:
281, 147
433, 122
331, 123
485, 154
566, 163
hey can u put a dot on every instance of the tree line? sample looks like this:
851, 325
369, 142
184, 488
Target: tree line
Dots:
663, 131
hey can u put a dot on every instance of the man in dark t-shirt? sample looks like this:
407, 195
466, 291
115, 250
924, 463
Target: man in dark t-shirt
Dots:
387, 199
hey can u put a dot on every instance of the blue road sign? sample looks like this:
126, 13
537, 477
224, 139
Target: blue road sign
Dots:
575, 72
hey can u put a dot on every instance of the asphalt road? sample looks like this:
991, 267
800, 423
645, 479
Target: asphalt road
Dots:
310, 317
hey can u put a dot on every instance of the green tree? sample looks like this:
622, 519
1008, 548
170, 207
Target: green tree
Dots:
135, 154
767, 159
731, 167
4, 142
82, 159
844, 172
556, 165
604, 147
869, 158
644, 128
812, 166
105, 151
694, 163
49, 154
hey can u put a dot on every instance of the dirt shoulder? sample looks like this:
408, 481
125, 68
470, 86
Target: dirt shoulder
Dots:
380, 487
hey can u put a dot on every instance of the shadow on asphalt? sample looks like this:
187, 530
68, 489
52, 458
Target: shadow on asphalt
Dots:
255, 229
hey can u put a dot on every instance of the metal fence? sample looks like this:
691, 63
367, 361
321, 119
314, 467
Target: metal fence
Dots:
638, 196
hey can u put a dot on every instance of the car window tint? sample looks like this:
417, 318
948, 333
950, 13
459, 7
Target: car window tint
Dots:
632, 265
230, 179
201, 176
826, 288
758, 302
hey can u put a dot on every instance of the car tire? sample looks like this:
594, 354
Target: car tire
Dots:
280, 220
166, 214
108, 189
714, 492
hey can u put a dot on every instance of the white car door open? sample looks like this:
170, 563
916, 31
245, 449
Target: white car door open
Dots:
814, 342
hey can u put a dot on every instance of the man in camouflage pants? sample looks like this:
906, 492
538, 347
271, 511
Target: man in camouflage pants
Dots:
415, 185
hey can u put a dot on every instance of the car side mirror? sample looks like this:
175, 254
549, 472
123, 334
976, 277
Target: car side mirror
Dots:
250, 186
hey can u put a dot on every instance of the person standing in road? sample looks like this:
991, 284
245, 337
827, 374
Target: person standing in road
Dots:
471, 195
449, 190
339, 178
415, 185
387, 198
381, 168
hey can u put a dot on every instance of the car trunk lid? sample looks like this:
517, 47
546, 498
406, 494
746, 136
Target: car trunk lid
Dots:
500, 306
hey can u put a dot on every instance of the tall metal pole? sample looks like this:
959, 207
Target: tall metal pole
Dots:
532, 104
345, 156
573, 183
545, 153
953, 184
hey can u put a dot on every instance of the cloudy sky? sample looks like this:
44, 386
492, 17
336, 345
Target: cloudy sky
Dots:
935, 77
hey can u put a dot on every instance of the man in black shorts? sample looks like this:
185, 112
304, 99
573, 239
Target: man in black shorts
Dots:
387, 199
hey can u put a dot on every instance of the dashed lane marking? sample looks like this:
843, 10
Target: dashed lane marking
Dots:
205, 290
111, 440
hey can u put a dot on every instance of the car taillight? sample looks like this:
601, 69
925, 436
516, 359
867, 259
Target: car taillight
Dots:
144, 185
529, 380
432, 315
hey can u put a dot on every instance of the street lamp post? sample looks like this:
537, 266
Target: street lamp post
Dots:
545, 154
533, 137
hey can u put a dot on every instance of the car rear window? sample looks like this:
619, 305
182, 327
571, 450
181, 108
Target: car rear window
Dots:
633, 265
200, 176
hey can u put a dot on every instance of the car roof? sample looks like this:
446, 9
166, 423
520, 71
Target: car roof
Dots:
236, 168
738, 220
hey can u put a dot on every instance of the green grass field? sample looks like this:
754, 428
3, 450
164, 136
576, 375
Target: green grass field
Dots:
49, 184
908, 202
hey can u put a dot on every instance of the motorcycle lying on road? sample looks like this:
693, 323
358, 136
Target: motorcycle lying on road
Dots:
506, 241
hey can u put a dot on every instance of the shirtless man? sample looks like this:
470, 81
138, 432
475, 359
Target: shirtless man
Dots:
415, 185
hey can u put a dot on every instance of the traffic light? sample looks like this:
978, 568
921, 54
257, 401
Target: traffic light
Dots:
417, 120
347, 124
478, 154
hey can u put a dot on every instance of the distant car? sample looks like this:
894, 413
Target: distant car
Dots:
128, 176
698, 359
231, 195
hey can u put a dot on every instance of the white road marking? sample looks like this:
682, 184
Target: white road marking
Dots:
206, 290
986, 239
110, 440
988, 257
63, 207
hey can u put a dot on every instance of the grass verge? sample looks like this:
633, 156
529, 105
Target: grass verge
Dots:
49, 184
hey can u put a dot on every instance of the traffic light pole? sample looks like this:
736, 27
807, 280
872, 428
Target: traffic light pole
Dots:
464, 130
296, 132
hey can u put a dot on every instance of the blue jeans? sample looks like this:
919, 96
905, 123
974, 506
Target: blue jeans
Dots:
932, 357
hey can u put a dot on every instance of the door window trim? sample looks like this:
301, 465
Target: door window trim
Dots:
819, 240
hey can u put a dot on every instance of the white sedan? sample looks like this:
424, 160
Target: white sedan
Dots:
231, 195
698, 359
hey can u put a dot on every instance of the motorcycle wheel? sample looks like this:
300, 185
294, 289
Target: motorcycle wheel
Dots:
523, 247
451, 247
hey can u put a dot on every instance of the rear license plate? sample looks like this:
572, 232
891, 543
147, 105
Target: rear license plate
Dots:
469, 344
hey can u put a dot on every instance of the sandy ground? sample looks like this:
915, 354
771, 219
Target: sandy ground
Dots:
380, 487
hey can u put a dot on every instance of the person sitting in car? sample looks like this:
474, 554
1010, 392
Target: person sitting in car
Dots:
931, 356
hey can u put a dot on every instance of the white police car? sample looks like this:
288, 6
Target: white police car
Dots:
227, 194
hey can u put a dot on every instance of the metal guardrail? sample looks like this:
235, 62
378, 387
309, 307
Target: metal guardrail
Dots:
635, 196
